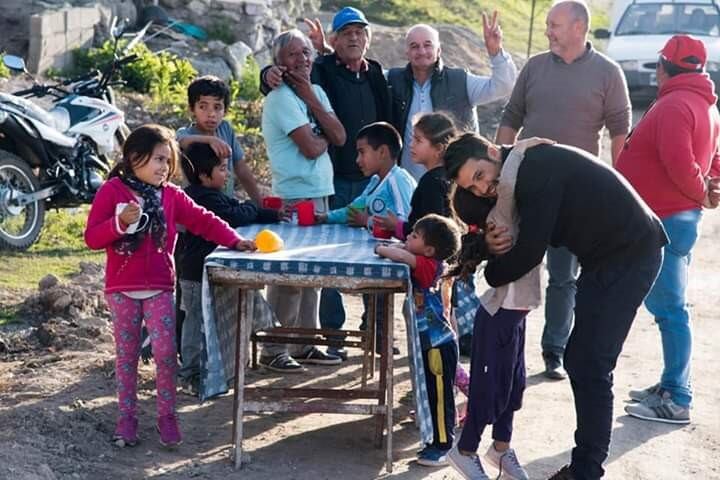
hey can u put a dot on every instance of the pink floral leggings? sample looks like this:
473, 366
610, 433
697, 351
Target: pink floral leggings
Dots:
128, 314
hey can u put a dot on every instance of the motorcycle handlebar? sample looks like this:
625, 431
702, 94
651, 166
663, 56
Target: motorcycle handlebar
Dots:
128, 59
27, 91
87, 76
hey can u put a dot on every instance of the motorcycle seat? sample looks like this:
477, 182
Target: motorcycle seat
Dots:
31, 110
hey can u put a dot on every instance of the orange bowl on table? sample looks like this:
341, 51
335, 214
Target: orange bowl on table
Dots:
268, 241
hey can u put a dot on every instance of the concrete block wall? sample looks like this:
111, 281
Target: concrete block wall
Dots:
55, 34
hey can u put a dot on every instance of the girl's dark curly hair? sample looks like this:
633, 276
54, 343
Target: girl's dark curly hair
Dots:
470, 210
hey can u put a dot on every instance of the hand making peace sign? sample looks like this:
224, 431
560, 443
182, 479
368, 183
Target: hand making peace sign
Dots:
492, 33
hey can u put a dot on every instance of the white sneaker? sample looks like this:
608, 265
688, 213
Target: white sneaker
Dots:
507, 463
468, 466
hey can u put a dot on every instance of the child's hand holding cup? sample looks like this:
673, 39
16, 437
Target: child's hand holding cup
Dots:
131, 217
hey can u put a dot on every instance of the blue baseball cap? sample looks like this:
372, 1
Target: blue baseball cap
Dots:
346, 16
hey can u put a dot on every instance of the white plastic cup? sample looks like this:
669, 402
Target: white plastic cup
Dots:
138, 226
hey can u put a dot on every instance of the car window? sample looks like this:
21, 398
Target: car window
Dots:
700, 19
667, 19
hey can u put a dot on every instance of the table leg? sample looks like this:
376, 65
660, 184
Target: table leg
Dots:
382, 394
244, 319
371, 340
368, 353
389, 335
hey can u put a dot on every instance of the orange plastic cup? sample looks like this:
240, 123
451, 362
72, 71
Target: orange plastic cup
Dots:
305, 213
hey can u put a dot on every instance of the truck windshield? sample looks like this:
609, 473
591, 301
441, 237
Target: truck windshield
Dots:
669, 19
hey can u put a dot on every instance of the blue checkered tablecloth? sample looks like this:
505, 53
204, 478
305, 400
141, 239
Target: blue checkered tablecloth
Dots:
335, 250
466, 305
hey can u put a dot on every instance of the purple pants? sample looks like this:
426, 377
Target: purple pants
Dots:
497, 375
128, 314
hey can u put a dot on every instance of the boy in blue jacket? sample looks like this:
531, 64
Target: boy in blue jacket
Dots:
390, 190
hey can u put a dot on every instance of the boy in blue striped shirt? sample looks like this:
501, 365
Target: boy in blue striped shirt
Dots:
390, 189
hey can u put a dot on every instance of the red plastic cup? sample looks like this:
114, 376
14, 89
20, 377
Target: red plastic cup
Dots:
305, 213
379, 232
272, 202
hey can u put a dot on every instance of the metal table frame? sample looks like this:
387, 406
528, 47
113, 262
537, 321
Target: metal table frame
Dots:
271, 399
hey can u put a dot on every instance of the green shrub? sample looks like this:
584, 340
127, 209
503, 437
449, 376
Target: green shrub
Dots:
4, 71
248, 88
141, 75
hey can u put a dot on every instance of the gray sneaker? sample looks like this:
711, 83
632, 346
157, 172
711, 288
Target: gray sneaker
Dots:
507, 463
659, 408
641, 395
468, 466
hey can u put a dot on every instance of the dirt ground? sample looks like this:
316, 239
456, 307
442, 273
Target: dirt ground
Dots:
57, 409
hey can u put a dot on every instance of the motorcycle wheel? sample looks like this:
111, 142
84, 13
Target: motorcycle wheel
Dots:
20, 226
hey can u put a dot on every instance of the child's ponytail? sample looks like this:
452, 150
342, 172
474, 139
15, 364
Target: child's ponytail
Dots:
471, 211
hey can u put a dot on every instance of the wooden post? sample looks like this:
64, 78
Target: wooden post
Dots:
246, 299
532, 22
237, 409
389, 341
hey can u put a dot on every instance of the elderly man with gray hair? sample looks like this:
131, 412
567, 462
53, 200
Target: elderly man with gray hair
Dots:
425, 84
298, 125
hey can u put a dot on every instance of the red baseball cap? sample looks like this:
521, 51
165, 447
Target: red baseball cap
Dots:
685, 52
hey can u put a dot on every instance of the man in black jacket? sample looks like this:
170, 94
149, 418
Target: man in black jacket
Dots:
358, 94
567, 197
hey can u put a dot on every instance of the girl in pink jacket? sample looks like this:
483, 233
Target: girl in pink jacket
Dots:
133, 218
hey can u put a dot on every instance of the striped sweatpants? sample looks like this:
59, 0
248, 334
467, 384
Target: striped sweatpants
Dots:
440, 364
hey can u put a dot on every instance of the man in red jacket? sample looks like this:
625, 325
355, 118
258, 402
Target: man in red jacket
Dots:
672, 160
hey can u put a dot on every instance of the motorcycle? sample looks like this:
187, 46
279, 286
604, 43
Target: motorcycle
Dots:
56, 158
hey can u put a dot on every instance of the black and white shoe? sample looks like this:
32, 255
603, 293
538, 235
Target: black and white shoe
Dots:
317, 357
282, 363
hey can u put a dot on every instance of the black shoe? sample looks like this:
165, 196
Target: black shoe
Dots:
553, 367
317, 357
282, 362
563, 474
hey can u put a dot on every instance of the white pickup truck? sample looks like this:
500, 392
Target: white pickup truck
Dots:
640, 28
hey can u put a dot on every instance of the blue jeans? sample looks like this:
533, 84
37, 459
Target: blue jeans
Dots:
667, 302
191, 337
559, 300
332, 311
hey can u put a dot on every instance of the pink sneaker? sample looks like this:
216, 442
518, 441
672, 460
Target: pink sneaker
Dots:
169, 431
126, 432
